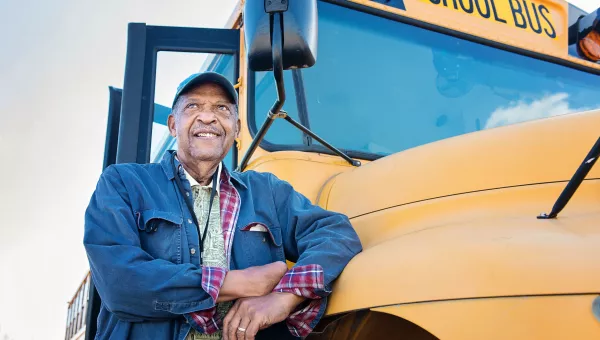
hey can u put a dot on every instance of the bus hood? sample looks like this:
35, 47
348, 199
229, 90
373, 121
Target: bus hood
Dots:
456, 219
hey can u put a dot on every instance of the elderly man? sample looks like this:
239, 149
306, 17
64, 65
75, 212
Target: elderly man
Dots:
186, 249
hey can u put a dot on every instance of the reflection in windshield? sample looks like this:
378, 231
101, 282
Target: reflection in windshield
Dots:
381, 86
454, 78
548, 106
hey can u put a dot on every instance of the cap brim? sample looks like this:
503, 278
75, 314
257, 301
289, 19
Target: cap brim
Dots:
205, 78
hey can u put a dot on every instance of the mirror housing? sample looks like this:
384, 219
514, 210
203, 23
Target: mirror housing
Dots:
298, 20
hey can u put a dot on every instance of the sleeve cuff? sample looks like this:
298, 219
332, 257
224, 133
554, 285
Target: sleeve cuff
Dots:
306, 281
204, 321
212, 280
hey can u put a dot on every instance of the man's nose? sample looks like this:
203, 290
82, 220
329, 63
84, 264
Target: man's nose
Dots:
206, 117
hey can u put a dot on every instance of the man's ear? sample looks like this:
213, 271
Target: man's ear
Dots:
238, 123
171, 125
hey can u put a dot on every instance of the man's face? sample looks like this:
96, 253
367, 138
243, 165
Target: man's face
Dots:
205, 123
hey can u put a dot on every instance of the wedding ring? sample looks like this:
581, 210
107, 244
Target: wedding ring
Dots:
240, 329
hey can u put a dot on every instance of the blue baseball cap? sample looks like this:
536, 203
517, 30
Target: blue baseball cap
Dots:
203, 78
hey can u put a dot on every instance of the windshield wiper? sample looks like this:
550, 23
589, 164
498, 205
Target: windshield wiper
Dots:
574, 183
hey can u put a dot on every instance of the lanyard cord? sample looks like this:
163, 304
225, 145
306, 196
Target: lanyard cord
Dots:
191, 207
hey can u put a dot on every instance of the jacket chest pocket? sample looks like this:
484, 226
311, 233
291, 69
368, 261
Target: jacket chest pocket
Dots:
261, 244
160, 234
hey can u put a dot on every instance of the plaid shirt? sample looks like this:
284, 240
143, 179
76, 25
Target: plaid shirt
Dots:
304, 281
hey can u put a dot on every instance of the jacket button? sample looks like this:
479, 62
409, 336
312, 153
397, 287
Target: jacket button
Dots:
193, 251
189, 221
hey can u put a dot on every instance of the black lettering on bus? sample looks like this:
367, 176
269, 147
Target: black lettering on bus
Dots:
455, 4
487, 8
552, 33
496, 17
462, 5
517, 12
435, 2
537, 30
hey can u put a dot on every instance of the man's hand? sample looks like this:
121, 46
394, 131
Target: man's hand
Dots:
250, 282
256, 313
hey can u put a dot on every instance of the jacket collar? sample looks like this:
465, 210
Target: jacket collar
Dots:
167, 165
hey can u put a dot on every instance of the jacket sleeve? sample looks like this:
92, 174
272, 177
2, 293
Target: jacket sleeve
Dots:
132, 284
312, 235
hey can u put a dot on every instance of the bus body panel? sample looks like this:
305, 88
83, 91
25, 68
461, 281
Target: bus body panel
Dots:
562, 317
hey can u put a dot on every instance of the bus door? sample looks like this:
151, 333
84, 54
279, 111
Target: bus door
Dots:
136, 129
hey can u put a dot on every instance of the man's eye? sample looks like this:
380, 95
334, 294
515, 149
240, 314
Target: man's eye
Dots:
192, 106
223, 108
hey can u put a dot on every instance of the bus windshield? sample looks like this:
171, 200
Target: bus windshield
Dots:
380, 86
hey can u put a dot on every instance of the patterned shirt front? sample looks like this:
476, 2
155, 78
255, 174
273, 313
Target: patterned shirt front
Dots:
213, 254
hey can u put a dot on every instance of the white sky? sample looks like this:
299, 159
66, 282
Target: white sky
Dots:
586, 5
56, 63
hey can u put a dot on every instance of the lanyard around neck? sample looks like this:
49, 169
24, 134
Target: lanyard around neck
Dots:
190, 206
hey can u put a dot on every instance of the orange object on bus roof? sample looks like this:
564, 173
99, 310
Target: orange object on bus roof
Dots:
590, 46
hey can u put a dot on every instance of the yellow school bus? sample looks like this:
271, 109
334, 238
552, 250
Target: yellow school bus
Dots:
459, 136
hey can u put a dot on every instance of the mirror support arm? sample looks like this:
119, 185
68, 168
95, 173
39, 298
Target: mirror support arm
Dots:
322, 141
277, 47
277, 24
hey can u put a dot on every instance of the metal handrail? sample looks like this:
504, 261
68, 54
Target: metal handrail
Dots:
77, 309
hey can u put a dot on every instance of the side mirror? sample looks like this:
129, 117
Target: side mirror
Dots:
289, 23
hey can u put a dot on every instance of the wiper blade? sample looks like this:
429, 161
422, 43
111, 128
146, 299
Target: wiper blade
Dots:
574, 183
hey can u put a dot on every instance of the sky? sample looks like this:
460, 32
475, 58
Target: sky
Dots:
56, 63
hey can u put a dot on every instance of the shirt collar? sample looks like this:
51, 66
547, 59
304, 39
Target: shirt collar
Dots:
193, 181
167, 166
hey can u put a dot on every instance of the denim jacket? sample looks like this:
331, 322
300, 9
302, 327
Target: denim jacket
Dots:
138, 241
